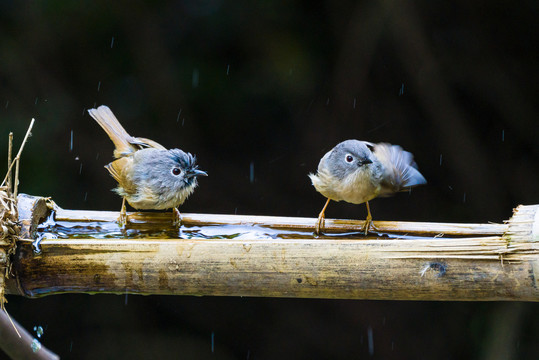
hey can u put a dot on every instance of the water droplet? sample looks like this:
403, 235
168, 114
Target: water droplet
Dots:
440, 159
71, 142
38, 330
252, 172
227, 69
112, 42
371, 341
195, 79
178, 118
36, 345
401, 90
503, 135
212, 341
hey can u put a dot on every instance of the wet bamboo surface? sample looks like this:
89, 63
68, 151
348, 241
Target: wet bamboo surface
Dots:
419, 261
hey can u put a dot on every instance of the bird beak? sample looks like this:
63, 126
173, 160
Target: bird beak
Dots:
196, 172
365, 162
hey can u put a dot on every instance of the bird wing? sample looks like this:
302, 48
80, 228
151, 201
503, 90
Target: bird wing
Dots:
118, 169
400, 170
142, 143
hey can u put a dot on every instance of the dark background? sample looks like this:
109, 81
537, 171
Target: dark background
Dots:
271, 86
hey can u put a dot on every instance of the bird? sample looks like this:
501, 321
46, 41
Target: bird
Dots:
358, 171
149, 176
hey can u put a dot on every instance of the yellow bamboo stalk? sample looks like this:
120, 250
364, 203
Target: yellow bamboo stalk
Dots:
492, 266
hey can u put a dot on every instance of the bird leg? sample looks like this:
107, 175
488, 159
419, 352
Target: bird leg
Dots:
122, 220
176, 217
321, 219
368, 222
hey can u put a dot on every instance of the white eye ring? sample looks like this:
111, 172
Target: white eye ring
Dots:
348, 158
176, 171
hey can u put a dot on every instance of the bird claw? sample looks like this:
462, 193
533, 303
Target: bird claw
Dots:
122, 219
368, 226
176, 218
320, 224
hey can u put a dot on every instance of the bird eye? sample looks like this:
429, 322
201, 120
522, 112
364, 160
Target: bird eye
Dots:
349, 158
176, 171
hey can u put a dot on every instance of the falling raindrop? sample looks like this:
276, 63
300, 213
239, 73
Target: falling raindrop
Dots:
38, 330
7, 103
440, 159
252, 172
503, 135
71, 142
80, 169
327, 101
212, 341
85, 196
401, 90
98, 86
371, 341
36, 345
112, 42
354, 103
36, 101
178, 118
227, 69
464, 198
195, 78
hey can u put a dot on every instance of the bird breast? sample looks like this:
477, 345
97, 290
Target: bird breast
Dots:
356, 188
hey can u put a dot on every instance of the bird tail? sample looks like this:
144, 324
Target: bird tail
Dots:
405, 173
121, 139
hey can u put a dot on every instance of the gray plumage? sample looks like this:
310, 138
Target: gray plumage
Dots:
149, 176
358, 171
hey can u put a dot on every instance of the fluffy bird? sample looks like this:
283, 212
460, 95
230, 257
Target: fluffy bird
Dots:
358, 171
149, 176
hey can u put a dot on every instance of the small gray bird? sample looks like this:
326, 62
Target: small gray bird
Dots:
149, 176
358, 171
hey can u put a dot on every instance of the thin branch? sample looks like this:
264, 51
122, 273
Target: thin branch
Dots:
9, 155
28, 132
17, 344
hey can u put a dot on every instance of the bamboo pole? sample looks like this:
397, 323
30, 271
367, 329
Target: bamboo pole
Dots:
289, 223
482, 266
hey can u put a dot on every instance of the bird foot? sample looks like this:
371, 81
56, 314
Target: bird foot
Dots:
320, 224
369, 226
176, 218
122, 219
